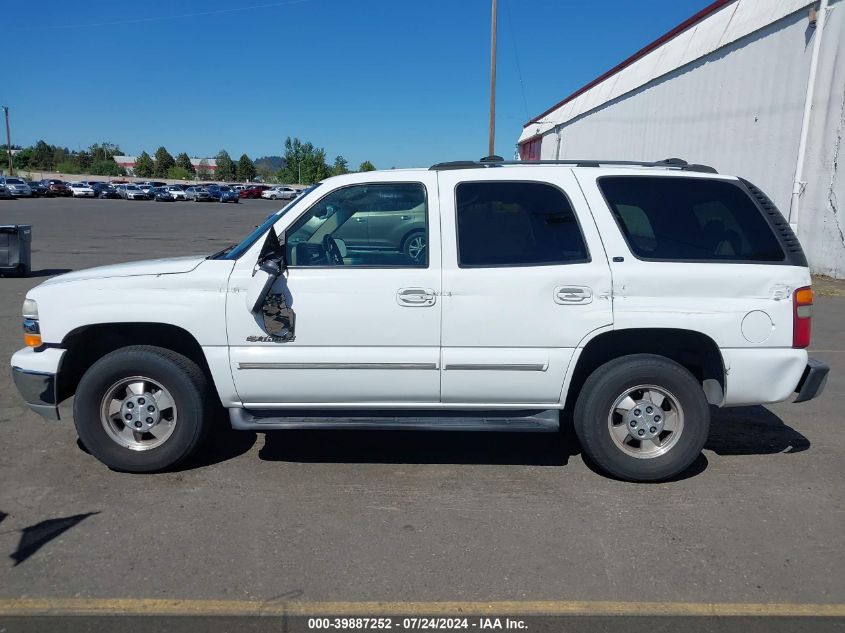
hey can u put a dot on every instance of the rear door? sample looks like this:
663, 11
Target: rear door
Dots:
525, 279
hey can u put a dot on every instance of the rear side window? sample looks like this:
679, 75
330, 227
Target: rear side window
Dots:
516, 224
689, 219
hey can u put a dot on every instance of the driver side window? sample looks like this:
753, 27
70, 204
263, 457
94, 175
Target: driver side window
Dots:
378, 224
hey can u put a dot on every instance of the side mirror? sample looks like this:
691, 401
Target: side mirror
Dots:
264, 274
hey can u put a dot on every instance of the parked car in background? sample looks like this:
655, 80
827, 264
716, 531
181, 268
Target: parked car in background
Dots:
4, 193
132, 192
253, 191
146, 188
197, 194
106, 191
177, 192
280, 192
81, 190
223, 193
161, 194
17, 187
56, 187
39, 189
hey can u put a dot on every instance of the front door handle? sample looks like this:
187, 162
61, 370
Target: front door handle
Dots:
416, 297
573, 294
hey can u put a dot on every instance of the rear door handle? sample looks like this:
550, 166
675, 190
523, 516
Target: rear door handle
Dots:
416, 297
573, 294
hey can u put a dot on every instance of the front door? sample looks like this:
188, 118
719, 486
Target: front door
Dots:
525, 279
367, 328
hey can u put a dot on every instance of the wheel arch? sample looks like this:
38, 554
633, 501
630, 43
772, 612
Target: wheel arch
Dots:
693, 350
87, 344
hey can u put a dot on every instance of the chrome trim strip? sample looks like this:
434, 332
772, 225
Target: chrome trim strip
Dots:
337, 365
498, 366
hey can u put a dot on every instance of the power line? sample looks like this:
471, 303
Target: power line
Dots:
159, 18
516, 57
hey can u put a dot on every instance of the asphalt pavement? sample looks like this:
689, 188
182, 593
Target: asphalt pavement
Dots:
403, 516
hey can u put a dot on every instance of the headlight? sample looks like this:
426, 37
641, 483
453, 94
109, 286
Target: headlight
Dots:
30, 309
31, 327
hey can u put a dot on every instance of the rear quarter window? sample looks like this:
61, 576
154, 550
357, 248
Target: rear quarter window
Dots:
690, 219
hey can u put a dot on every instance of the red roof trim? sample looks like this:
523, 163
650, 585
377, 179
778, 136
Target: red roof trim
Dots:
530, 138
683, 26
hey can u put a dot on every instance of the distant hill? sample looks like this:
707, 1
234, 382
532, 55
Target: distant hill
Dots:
274, 163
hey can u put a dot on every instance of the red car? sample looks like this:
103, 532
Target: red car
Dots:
253, 192
56, 188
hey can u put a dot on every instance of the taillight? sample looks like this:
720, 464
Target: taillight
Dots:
802, 316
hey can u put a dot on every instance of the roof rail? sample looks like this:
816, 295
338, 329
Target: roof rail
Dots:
490, 161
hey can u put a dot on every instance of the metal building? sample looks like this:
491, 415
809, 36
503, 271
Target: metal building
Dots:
755, 88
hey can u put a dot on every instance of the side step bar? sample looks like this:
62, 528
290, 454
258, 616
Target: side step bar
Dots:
523, 420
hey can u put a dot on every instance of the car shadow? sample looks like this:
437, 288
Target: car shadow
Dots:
418, 447
752, 431
224, 443
48, 272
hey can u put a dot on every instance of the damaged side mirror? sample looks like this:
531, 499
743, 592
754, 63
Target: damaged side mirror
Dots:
275, 316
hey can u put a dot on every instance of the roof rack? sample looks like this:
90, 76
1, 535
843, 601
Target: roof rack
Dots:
495, 161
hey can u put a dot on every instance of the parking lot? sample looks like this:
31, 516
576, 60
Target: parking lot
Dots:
390, 516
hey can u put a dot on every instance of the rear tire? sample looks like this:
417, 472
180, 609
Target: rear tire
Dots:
169, 390
642, 396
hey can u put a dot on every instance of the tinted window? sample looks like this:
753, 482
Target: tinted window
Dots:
516, 224
689, 219
382, 224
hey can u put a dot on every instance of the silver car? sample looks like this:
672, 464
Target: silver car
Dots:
17, 187
197, 194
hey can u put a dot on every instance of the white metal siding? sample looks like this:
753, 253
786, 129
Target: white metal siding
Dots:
738, 109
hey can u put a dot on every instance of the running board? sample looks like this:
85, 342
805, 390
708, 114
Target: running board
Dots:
521, 420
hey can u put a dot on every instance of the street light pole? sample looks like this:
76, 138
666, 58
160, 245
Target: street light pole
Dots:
491, 150
9, 141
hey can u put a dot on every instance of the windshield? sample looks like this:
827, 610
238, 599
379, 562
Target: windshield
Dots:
261, 229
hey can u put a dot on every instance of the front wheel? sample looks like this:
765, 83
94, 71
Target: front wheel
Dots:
642, 418
142, 408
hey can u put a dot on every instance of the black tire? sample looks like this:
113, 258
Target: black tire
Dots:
181, 376
599, 395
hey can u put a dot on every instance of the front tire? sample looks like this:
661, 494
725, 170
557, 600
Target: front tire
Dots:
642, 418
142, 409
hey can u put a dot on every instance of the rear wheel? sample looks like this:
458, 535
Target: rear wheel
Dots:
642, 418
414, 246
142, 409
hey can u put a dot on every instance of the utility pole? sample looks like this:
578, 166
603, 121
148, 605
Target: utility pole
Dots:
9, 141
492, 143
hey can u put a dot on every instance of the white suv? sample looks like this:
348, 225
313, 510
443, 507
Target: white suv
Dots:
626, 296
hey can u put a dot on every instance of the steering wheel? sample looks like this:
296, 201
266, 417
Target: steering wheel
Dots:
332, 250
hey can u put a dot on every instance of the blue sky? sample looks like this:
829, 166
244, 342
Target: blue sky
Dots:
401, 83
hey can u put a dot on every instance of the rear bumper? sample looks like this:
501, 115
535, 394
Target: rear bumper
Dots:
813, 380
35, 375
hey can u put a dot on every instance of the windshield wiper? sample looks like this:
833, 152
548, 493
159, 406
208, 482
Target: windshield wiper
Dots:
222, 252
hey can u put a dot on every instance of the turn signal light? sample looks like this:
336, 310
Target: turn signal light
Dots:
802, 317
32, 340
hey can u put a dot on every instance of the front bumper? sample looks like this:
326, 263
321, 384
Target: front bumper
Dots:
35, 375
813, 380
